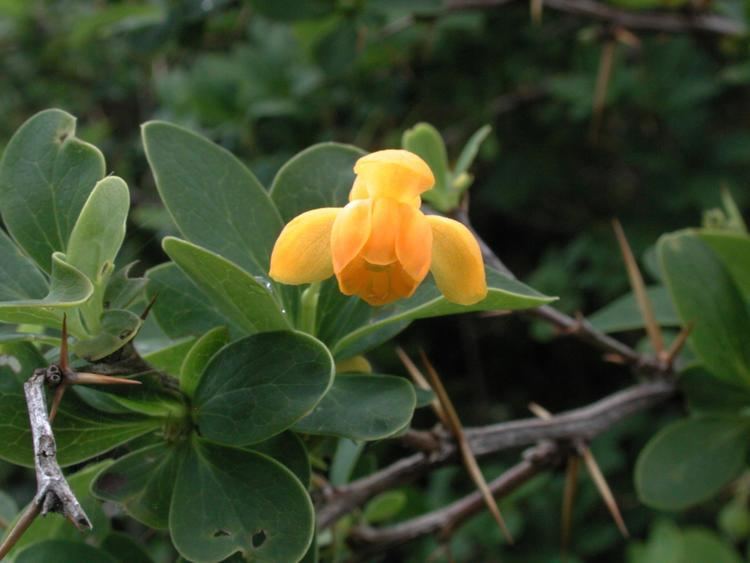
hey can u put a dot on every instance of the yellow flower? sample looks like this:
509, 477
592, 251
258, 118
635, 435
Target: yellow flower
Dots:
380, 246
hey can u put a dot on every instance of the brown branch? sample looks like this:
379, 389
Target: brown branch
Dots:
577, 326
659, 21
579, 424
367, 541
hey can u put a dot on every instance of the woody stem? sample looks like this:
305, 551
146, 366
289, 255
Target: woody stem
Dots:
309, 308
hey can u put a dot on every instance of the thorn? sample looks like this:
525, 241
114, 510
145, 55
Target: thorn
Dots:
64, 363
537, 7
83, 378
422, 383
606, 63
614, 358
569, 494
601, 484
492, 314
539, 411
639, 289
678, 343
576, 327
56, 399
627, 38
455, 426
147, 310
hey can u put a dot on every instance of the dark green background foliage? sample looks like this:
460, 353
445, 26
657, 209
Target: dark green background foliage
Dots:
267, 79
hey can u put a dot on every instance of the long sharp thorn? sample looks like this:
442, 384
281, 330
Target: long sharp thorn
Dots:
639, 289
56, 399
468, 456
678, 343
147, 310
64, 363
83, 378
569, 495
601, 484
603, 76
422, 383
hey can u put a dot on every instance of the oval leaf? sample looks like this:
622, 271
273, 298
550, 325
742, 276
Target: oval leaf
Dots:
350, 326
198, 357
623, 313
63, 551
260, 385
237, 294
68, 288
46, 174
704, 294
181, 308
690, 461
228, 500
320, 176
142, 482
215, 201
362, 407
100, 229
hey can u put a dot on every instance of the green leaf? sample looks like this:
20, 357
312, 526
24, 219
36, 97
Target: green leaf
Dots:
81, 431
125, 549
384, 506
690, 461
350, 326
706, 394
289, 450
344, 462
470, 151
320, 176
63, 551
239, 296
292, 10
20, 278
623, 313
117, 328
362, 407
143, 482
701, 545
215, 201
8, 509
198, 356
227, 500
424, 140
46, 175
149, 398
734, 251
170, 358
122, 290
68, 288
704, 294
260, 385
100, 229
181, 308
57, 527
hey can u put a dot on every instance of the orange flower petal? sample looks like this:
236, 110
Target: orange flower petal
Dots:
350, 232
457, 262
302, 253
359, 189
378, 285
414, 243
381, 245
395, 173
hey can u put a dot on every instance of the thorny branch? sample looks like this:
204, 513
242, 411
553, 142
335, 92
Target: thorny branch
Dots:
579, 424
53, 492
552, 437
669, 22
